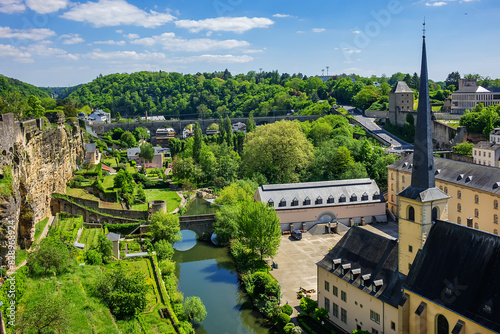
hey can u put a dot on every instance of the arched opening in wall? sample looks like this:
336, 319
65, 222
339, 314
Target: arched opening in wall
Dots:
327, 217
442, 326
411, 213
435, 213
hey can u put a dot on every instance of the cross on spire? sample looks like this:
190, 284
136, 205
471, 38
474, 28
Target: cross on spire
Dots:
423, 30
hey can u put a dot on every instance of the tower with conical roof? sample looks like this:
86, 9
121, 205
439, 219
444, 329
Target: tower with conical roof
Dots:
420, 203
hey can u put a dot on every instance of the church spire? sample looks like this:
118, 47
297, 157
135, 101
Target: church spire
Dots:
423, 162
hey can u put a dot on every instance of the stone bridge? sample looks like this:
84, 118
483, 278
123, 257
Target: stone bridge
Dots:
198, 224
179, 125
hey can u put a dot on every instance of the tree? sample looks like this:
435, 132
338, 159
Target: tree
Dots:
280, 151
48, 312
194, 309
364, 99
104, 247
165, 226
198, 139
128, 139
308, 305
35, 109
52, 254
226, 223
124, 291
164, 250
122, 178
147, 152
452, 80
250, 124
141, 133
463, 148
260, 229
229, 132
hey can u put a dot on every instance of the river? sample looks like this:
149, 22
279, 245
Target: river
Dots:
208, 272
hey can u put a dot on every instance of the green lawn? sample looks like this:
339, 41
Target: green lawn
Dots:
107, 183
110, 162
173, 200
80, 193
21, 255
39, 229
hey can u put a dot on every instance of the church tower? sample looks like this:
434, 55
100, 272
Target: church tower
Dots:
421, 203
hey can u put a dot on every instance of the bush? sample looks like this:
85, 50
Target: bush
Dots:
93, 257
308, 305
164, 250
282, 320
288, 328
287, 309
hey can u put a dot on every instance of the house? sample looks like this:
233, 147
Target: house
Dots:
99, 117
115, 239
486, 153
469, 95
151, 119
163, 135
92, 154
303, 205
157, 162
359, 283
474, 190
239, 126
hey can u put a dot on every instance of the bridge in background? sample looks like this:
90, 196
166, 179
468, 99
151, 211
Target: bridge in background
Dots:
179, 125
199, 224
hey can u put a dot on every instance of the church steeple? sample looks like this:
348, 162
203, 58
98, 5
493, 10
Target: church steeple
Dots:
423, 162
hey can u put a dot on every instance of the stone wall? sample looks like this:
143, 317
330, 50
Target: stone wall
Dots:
41, 158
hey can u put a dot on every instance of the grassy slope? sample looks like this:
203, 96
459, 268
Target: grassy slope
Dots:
173, 200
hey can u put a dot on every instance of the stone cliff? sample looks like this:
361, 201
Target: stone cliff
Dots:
37, 158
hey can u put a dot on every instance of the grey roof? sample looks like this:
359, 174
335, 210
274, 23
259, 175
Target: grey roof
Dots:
401, 87
134, 151
423, 195
325, 189
90, 148
472, 89
448, 273
79, 245
466, 174
495, 131
486, 145
373, 254
113, 236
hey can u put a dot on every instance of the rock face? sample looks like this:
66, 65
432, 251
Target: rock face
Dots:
37, 158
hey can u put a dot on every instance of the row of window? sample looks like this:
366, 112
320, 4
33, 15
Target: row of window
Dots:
335, 291
476, 225
319, 200
484, 153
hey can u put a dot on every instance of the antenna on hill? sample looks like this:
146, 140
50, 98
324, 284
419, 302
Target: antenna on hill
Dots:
322, 72
327, 70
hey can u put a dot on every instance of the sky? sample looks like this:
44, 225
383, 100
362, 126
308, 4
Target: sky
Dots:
65, 43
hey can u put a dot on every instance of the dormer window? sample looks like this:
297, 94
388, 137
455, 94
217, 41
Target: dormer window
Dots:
437, 171
330, 199
459, 177
376, 195
270, 203
377, 285
354, 198
295, 202
364, 279
336, 263
405, 164
319, 200
468, 179
342, 198
282, 202
307, 201
355, 273
344, 268
364, 197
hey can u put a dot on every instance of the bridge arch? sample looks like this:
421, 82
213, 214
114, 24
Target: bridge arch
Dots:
327, 217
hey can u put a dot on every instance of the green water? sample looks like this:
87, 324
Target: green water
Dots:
198, 206
208, 272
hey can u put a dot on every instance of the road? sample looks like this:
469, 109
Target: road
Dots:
369, 123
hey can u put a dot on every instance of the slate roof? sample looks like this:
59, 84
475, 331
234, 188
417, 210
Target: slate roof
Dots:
324, 189
486, 145
401, 87
134, 151
472, 89
90, 148
423, 195
448, 273
373, 254
466, 174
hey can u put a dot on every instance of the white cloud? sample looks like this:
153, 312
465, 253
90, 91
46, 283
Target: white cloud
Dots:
170, 42
119, 31
351, 51
111, 42
208, 58
10, 51
116, 12
300, 32
234, 24
436, 4
33, 34
254, 50
318, 29
11, 6
70, 39
46, 6
356, 32
282, 15
132, 36
98, 54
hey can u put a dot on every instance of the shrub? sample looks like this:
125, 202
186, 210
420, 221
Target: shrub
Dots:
287, 309
167, 267
282, 320
308, 305
288, 328
164, 250
93, 257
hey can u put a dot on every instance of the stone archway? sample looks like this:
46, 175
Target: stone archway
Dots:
327, 217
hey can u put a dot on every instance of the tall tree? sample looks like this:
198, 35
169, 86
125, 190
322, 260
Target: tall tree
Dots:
222, 131
229, 132
260, 229
165, 226
280, 151
147, 152
194, 309
250, 124
52, 255
452, 80
198, 139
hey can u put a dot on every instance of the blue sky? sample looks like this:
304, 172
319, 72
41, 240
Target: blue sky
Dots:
64, 43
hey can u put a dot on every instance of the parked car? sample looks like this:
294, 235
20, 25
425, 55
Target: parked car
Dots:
297, 235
